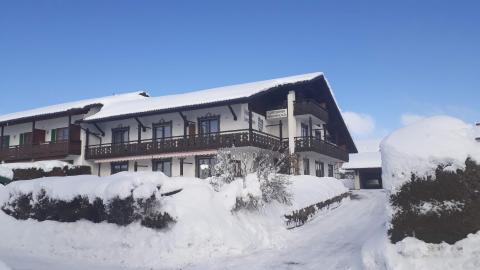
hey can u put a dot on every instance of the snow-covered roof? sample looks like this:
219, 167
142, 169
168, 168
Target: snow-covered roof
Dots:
206, 96
53, 109
363, 160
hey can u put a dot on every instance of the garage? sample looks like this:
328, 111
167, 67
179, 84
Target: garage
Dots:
366, 170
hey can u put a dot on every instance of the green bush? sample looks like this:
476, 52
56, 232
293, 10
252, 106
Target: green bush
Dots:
33, 173
453, 198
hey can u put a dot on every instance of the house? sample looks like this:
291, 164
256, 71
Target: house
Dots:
366, 168
477, 130
51, 132
181, 134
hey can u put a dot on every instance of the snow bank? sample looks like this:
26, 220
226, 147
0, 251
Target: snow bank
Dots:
308, 190
411, 253
121, 184
205, 226
363, 160
420, 147
6, 169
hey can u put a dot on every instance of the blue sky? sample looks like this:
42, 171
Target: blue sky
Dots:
384, 59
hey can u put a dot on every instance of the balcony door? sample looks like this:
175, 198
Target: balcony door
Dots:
59, 135
304, 130
26, 138
163, 165
162, 130
120, 136
209, 125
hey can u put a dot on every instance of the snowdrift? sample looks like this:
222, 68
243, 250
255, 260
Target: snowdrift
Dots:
6, 169
420, 147
205, 226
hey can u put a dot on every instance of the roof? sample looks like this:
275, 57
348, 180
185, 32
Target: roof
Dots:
54, 110
201, 97
363, 160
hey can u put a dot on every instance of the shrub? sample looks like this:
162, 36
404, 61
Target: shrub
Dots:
120, 211
4, 180
33, 173
443, 208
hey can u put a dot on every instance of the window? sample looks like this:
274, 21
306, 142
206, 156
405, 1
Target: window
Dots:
318, 135
163, 165
260, 124
59, 134
304, 130
6, 141
330, 170
119, 167
209, 125
306, 166
204, 166
319, 169
119, 135
162, 130
26, 138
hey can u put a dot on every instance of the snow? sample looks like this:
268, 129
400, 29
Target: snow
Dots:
4, 266
420, 147
363, 160
309, 190
198, 97
205, 228
330, 241
105, 101
6, 169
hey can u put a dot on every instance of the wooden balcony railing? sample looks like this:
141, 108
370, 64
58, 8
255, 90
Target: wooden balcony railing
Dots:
310, 106
304, 144
218, 140
47, 150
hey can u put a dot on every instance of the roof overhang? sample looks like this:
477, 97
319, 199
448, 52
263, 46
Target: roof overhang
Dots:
47, 116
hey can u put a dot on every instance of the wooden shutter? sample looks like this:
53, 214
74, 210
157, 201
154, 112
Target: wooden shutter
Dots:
53, 135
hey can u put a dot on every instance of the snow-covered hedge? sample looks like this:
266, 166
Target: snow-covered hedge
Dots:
121, 199
38, 169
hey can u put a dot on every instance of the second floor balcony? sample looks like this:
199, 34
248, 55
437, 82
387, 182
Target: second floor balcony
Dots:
48, 150
306, 144
310, 106
198, 142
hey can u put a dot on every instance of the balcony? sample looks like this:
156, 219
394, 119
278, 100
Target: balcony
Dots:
306, 144
310, 106
198, 142
59, 149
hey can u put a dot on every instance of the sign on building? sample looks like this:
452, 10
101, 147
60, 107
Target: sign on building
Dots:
276, 114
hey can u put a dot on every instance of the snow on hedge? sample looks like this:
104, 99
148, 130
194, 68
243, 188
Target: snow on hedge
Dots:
205, 226
6, 169
4, 266
420, 147
411, 253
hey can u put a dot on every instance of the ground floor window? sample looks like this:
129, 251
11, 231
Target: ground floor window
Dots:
306, 166
117, 167
163, 165
204, 166
319, 171
330, 170
6, 142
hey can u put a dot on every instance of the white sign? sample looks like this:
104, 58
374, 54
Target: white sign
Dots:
276, 114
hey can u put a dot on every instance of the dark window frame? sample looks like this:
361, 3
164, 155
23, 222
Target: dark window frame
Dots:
306, 169
54, 134
197, 164
304, 127
162, 124
208, 118
120, 163
121, 129
5, 141
155, 163
330, 170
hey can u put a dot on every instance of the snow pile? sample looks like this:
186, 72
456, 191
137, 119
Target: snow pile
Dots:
124, 184
308, 190
411, 253
420, 147
348, 183
6, 169
206, 227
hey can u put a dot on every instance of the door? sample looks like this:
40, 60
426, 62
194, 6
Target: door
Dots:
191, 129
164, 166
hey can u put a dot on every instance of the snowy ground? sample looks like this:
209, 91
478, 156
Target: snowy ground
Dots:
331, 241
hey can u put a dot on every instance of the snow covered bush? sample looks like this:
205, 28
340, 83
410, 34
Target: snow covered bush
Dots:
120, 203
444, 207
429, 168
265, 164
32, 170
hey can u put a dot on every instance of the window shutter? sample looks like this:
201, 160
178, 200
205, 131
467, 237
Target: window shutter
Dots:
53, 135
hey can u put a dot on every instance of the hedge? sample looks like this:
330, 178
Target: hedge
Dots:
455, 196
120, 211
300, 217
33, 173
